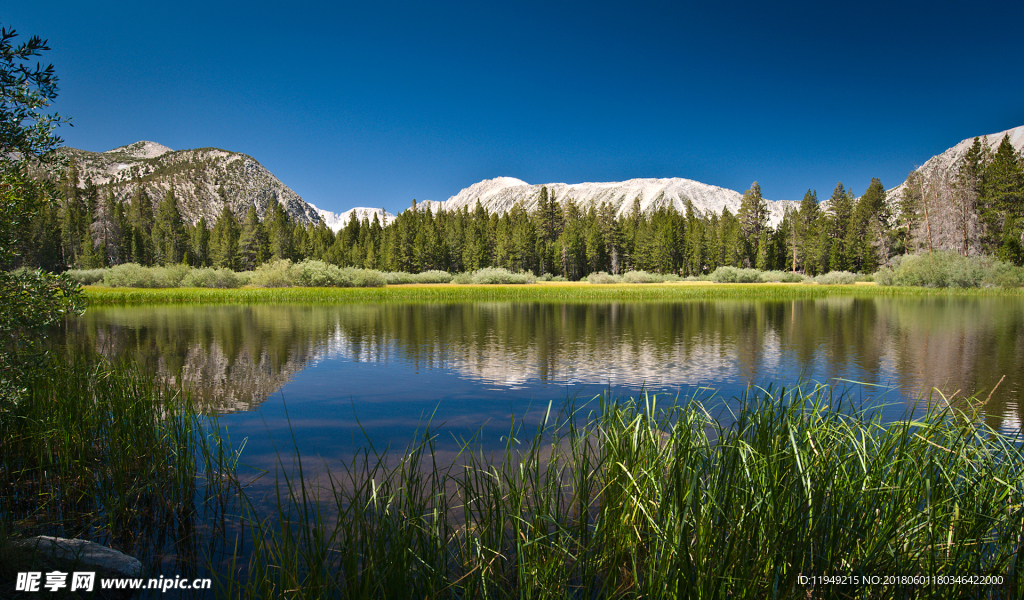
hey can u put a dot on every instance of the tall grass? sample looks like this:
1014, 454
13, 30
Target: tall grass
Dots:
103, 452
551, 292
637, 500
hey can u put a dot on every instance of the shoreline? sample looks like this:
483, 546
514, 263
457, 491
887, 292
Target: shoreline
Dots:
540, 291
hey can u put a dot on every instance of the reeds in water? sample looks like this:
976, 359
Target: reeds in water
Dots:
636, 500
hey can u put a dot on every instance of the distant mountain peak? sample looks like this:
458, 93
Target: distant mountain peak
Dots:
141, 149
502, 193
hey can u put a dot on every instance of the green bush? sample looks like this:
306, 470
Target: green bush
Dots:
316, 273
550, 277
642, 277
781, 277
1003, 274
836, 278
433, 276
942, 268
399, 278
212, 278
403, 278
277, 273
353, 277
603, 278
87, 276
134, 275
494, 275
735, 275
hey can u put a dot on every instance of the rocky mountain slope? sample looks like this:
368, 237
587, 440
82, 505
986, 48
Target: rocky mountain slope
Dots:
198, 176
501, 193
951, 157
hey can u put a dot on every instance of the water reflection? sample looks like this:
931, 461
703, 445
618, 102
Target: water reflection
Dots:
234, 357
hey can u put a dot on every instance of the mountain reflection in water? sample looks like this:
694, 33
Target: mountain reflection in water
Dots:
235, 357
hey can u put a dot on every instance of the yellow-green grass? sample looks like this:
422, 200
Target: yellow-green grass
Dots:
560, 291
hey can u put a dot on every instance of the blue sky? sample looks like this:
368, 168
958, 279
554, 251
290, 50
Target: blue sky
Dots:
377, 103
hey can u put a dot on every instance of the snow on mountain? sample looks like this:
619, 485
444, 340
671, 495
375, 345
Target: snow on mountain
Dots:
336, 221
500, 194
951, 157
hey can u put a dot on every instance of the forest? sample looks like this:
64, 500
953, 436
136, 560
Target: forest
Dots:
975, 208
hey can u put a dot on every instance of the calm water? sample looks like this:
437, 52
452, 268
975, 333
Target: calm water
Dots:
344, 374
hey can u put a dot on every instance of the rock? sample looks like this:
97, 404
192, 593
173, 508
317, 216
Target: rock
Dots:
85, 554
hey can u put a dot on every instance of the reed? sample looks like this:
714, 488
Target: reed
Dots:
639, 500
541, 292
103, 452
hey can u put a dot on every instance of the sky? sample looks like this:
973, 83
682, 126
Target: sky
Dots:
379, 103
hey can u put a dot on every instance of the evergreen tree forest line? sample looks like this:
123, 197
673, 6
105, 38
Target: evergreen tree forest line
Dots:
975, 208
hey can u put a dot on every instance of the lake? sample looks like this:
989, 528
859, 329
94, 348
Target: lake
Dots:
336, 377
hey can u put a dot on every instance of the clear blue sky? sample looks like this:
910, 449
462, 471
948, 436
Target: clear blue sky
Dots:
377, 103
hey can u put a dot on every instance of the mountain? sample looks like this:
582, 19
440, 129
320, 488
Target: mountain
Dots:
336, 221
197, 177
501, 193
951, 157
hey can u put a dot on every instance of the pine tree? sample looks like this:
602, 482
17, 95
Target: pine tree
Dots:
224, 250
73, 225
866, 237
1003, 201
840, 213
200, 244
106, 230
253, 245
140, 220
753, 218
169, 239
279, 232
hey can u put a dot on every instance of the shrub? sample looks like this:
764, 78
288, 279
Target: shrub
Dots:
494, 275
353, 277
642, 277
399, 278
277, 273
433, 276
836, 278
550, 277
134, 275
212, 278
317, 273
402, 278
1005, 275
87, 276
949, 269
781, 277
603, 278
735, 275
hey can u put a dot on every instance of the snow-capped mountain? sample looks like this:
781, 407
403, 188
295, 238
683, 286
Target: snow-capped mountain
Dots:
336, 221
500, 194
